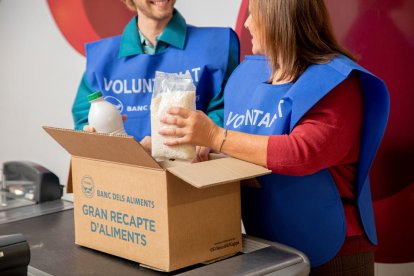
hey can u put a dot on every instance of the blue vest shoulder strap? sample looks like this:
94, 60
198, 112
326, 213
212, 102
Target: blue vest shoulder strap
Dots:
313, 85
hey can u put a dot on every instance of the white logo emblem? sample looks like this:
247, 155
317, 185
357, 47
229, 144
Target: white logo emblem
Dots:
88, 187
117, 103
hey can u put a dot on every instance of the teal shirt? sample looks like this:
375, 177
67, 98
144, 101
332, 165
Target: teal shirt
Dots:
134, 43
150, 49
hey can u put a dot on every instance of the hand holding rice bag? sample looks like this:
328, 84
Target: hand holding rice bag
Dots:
171, 90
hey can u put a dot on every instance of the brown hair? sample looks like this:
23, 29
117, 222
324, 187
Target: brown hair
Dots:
295, 34
130, 5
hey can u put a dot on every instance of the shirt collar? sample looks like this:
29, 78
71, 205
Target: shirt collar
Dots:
143, 39
174, 34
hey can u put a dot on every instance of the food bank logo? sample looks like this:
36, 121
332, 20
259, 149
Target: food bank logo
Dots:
116, 102
88, 187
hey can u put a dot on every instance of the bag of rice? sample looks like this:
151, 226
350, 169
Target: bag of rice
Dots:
170, 90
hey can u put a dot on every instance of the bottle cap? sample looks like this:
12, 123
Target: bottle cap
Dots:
94, 96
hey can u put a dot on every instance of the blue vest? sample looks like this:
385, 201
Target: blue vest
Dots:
303, 212
128, 82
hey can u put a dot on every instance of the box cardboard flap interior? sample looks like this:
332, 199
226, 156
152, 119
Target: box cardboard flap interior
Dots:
119, 149
218, 171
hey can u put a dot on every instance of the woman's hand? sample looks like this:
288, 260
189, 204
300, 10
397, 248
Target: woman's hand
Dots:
190, 127
195, 128
202, 154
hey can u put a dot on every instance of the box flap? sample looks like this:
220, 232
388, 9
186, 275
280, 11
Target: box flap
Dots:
218, 171
119, 149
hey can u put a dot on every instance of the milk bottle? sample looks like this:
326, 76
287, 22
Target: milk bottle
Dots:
104, 116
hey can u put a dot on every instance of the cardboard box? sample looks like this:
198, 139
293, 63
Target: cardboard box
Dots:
164, 215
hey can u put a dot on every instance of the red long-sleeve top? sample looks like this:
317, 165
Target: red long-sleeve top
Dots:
328, 136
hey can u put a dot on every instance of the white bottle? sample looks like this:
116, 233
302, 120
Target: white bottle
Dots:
104, 116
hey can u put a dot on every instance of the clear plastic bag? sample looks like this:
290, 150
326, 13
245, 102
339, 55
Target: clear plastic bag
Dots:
170, 90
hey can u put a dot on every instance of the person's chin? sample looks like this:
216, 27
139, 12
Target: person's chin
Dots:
162, 12
162, 5
161, 15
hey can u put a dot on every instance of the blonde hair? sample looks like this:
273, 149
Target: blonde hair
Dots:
295, 34
130, 4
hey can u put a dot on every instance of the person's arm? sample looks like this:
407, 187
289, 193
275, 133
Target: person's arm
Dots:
328, 135
321, 139
195, 128
81, 105
215, 109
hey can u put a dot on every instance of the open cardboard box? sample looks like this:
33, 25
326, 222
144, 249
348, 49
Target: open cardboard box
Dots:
166, 215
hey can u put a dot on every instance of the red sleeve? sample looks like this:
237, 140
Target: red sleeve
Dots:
327, 136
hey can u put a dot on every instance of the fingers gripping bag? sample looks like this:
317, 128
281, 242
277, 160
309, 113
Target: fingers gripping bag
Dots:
170, 90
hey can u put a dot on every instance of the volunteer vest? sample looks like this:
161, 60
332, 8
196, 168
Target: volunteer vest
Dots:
128, 82
303, 212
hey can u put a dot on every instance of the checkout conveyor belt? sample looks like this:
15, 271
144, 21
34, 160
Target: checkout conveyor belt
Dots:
48, 228
33, 210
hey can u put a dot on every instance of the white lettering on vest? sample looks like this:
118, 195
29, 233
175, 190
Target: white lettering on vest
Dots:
254, 117
137, 108
249, 117
126, 90
107, 84
137, 85
279, 108
129, 86
195, 75
195, 71
257, 113
117, 86
265, 120
230, 119
147, 85
239, 121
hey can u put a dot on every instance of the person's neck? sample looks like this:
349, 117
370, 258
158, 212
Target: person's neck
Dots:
151, 28
276, 78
